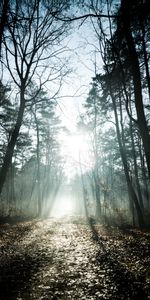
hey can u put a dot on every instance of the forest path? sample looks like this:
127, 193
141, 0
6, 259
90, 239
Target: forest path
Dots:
51, 259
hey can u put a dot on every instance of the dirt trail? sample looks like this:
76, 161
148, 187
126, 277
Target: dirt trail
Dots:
58, 260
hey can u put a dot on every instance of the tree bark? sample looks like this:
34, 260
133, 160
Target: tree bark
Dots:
131, 192
38, 165
133, 58
136, 168
97, 196
12, 142
3, 21
146, 61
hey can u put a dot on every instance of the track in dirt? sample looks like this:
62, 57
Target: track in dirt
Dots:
53, 259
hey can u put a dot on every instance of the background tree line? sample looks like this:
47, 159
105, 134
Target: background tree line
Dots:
31, 57
116, 109
119, 95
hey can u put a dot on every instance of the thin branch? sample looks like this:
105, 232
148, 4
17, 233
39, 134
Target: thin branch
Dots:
69, 19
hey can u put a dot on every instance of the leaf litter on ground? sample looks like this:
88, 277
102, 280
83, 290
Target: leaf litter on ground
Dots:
55, 259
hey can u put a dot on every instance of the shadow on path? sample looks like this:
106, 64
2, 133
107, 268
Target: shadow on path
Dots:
18, 264
123, 283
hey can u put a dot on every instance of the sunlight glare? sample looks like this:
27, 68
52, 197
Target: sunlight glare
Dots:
77, 146
77, 153
62, 207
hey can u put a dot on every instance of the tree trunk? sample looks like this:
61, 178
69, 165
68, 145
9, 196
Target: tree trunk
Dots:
97, 196
133, 58
146, 62
84, 191
145, 179
96, 173
131, 192
12, 142
39, 204
136, 168
3, 21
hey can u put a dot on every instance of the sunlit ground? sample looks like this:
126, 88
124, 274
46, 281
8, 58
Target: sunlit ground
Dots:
48, 259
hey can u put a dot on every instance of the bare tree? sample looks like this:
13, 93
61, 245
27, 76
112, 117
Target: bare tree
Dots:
32, 44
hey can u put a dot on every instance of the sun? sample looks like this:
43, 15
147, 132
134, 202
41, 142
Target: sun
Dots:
77, 153
77, 146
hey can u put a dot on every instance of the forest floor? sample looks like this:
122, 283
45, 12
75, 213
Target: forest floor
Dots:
59, 259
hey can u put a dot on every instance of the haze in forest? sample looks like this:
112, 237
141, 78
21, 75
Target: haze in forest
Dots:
74, 110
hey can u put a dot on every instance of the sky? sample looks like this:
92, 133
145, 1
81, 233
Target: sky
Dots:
77, 85
81, 44
72, 97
